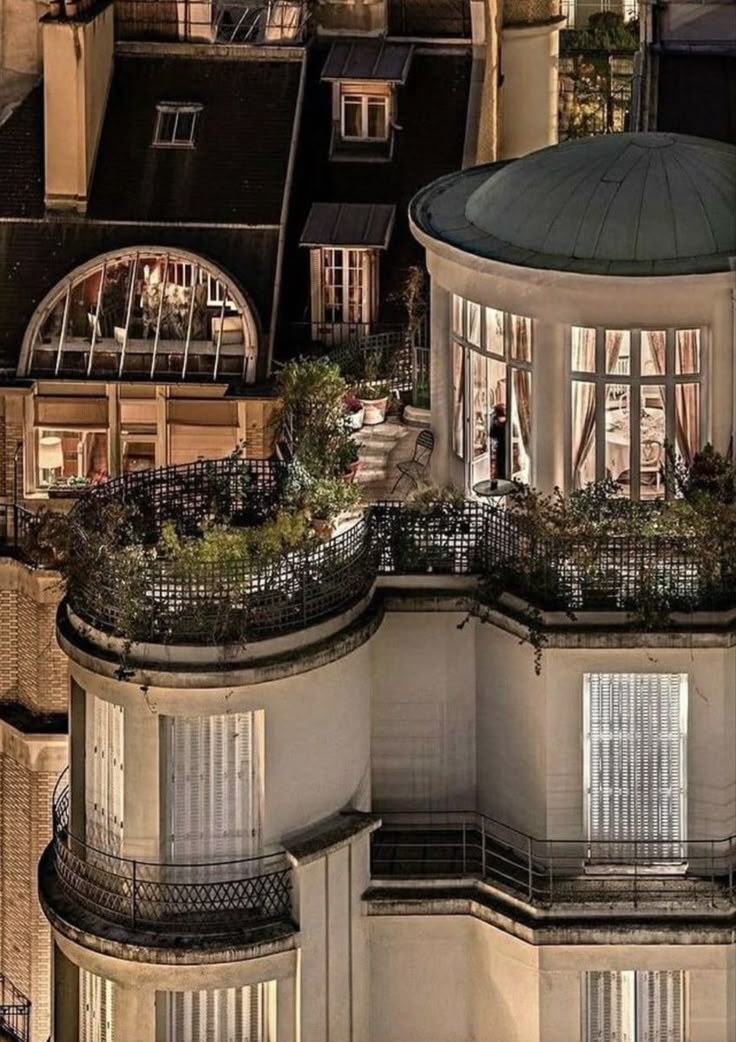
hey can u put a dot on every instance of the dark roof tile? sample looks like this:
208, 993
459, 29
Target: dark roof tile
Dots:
236, 172
21, 159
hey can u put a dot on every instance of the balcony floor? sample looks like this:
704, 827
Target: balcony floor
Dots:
381, 449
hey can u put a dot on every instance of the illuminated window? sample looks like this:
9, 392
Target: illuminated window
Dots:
66, 457
364, 117
634, 392
492, 388
176, 124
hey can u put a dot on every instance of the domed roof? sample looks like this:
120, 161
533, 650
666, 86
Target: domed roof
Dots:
619, 204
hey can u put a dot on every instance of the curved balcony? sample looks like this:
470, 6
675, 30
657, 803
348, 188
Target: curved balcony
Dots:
246, 897
128, 586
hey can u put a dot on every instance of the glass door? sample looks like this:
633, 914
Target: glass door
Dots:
478, 454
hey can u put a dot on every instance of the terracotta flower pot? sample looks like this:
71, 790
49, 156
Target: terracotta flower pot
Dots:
355, 419
322, 527
375, 410
352, 470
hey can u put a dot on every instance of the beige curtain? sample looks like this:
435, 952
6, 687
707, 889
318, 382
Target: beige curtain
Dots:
522, 382
687, 396
583, 408
458, 390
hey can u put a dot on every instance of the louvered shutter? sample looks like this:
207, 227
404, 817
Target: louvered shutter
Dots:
660, 1006
213, 790
609, 1006
104, 791
635, 748
223, 1015
95, 1008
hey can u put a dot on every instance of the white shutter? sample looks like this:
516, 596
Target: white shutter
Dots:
223, 1015
95, 1008
635, 763
660, 1006
609, 1006
213, 790
104, 791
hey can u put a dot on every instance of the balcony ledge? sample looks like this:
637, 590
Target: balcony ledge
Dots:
82, 927
574, 924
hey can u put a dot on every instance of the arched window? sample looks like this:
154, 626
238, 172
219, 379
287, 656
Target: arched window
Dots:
633, 393
147, 313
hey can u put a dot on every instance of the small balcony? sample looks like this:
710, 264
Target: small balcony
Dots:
552, 875
273, 23
246, 900
15, 1013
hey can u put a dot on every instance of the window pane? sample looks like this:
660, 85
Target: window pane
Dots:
583, 349
480, 404
521, 338
352, 117
618, 352
651, 445
494, 331
687, 351
687, 420
457, 314
166, 124
63, 455
653, 352
618, 440
498, 416
185, 126
473, 314
521, 425
376, 118
458, 392
583, 433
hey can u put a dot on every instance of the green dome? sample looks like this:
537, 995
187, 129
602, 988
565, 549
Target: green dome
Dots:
620, 204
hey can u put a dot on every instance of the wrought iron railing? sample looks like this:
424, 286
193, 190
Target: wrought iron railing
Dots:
15, 1011
219, 897
222, 599
19, 532
546, 872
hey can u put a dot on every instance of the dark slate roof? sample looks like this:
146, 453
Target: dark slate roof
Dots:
35, 255
21, 159
368, 60
615, 204
697, 95
348, 224
237, 170
432, 110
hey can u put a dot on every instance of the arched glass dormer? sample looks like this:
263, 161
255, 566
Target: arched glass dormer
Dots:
144, 313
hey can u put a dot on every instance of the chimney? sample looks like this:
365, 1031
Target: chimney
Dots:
77, 69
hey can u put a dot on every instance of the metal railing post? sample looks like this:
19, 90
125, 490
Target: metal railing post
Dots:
464, 847
730, 869
133, 897
712, 873
483, 847
529, 869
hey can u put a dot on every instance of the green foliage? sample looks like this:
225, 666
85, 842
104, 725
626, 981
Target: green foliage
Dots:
429, 498
327, 498
606, 31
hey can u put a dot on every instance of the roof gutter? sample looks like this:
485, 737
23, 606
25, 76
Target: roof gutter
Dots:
276, 302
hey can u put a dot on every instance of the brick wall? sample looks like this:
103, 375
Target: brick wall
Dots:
8, 645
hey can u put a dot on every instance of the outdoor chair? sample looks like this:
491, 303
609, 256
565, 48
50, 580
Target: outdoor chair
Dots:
415, 469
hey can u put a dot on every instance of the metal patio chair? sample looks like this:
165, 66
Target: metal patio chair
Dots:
415, 469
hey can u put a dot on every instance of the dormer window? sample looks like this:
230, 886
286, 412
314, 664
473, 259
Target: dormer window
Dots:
176, 124
365, 117
365, 78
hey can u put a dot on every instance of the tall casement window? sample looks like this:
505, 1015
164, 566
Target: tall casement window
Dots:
221, 1015
364, 113
344, 290
634, 1006
492, 360
214, 787
95, 1008
635, 766
632, 393
104, 792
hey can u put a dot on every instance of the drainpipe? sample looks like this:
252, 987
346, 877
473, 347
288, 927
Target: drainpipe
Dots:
276, 302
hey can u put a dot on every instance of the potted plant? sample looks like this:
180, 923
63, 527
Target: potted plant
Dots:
327, 498
69, 488
354, 412
374, 399
347, 460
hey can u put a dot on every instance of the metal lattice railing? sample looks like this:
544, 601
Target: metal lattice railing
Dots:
546, 872
219, 897
15, 1012
220, 599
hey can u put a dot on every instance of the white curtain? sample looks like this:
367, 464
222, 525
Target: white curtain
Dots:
104, 788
